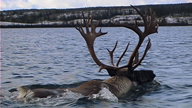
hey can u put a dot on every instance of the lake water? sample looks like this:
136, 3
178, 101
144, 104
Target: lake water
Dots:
58, 57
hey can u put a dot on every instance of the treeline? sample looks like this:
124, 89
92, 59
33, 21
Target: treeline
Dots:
64, 15
34, 15
182, 10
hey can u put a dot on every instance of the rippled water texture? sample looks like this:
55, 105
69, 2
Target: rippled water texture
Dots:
58, 57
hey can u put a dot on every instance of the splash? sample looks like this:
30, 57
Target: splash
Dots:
66, 98
104, 94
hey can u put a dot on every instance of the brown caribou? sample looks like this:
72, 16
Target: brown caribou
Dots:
124, 78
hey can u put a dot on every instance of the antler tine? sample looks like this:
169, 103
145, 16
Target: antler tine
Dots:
136, 59
89, 17
111, 53
86, 22
153, 25
144, 54
93, 27
80, 29
122, 55
100, 33
144, 17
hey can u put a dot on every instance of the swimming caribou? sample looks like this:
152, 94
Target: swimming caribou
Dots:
123, 79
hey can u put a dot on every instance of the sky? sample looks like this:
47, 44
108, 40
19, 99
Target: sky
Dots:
63, 4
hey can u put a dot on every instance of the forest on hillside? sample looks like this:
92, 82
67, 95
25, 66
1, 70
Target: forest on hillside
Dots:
64, 15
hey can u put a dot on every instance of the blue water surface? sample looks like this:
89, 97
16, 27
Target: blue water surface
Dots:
58, 57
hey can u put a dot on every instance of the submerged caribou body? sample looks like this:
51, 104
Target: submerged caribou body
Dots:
123, 79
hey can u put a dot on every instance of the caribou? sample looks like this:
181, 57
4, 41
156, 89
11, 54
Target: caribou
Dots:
123, 78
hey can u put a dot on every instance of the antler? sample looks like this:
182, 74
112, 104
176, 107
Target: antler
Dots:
150, 25
90, 37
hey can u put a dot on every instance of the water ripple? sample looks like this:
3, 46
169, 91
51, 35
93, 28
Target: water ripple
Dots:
59, 56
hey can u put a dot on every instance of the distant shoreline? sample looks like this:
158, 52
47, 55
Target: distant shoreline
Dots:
167, 15
69, 26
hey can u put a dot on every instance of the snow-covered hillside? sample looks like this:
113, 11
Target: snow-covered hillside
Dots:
119, 18
175, 14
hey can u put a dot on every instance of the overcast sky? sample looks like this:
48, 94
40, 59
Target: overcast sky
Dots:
63, 4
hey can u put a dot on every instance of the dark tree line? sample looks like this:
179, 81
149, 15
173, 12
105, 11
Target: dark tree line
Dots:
172, 9
34, 16
39, 15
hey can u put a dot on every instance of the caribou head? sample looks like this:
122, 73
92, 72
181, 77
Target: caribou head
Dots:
123, 78
150, 27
